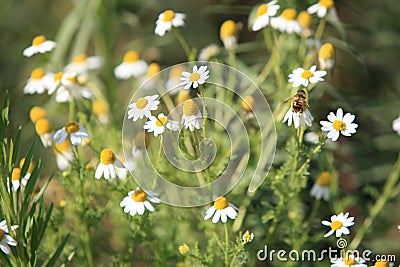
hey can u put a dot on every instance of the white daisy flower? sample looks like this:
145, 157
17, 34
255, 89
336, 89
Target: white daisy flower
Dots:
167, 20
39, 45
157, 125
303, 77
184, 249
194, 79
305, 20
321, 8
143, 107
221, 209
28, 172
229, 33
339, 224
247, 237
151, 79
209, 52
396, 125
101, 109
64, 154
349, 260
36, 113
138, 201
5, 239
264, 12
299, 112
132, 66
16, 180
74, 131
339, 124
326, 56
321, 189
174, 79
38, 82
82, 64
286, 22
45, 130
68, 87
191, 117
107, 165
122, 172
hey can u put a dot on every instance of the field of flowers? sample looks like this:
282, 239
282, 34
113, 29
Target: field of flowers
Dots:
208, 133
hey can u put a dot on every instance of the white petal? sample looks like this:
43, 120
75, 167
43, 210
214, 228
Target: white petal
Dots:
216, 217
140, 208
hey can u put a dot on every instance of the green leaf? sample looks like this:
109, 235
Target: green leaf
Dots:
52, 261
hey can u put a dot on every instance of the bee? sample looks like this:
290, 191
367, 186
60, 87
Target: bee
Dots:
300, 101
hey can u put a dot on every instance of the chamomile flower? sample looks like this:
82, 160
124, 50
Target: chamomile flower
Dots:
209, 52
321, 8
339, 224
326, 56
286, 22
304, 77
44, 129
157, 124
64, 154
305, 20
248, 104
68, 87
143, 107
36, 113
221, 210
39, 45
264, 12
349, 260
38, 82
191, 117
167, 20
16, 180
396, 125
29, 171
138, 201
73, 131
107, 165
132, 66
383, 263
299, 112
101, 109
321, 188
229, 33
122, 172
184, 249
81, 64
182, 97
194, 79
174, 79
247, 237
5, 239
339, 124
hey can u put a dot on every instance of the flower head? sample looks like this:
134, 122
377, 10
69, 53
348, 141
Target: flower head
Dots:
305, 20
349, 260
143, 107
321, 188
286, 22
184, 249
182, 97
5, 239
74, 131
228, 33
221, 209
321, 8
39, 45
101, 109
209, 52
191, 117
303, 77
247, 237
16, 180
81, 64
64, 154
68, 86
382, 263
248, 103
167, 20
44, 129
132, 66
38, 82
138, 201
339, 124
339, 224
157, 124
326, 56
194, 79
107, 165
264, 12
28, 172
299, 112
396, 125
37, 113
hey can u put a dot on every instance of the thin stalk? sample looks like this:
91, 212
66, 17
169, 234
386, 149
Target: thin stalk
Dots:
320, 29
182, 42
226, 251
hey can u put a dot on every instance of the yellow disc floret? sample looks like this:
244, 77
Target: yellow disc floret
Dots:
336, 225
37, 113
183, 249
31, 165
161, 121
71, 127
349, 261
194, 77
182, 97
107, 156
37, 74
38, 40
327, 51
304, 19
190, 108
131, 56
289, 14
228, 28
16, 174
141, 103
339, 125
248, 103
324, 179
58, 76
306, 74
169, 15
153, 69
262, 10
221, 203
139, 195
80, 58
43, 126
64, 146
99, 107
326, 3
381, 263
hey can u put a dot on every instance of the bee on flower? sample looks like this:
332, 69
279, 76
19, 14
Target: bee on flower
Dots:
45, 130
81, 64
38, 82
191, 117
349, 260
73, 131
196, 78
132, 66
263, 14
247, 237
39, 45
321, 188
167, 20
138, 201
5, 239
321, 8
339, 124
304, 77
299, 112
286, 22
339, 224
209, 52
64, 154
326, 56
221, 210
396, 125
158, 124
108, 164
143, 107
229, 32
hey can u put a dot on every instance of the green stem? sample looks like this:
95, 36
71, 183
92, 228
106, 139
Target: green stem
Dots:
71, 110
88, 250
320, 29
226, 250
183, 43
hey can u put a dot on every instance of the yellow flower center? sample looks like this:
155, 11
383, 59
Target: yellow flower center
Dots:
304, 19
139, 196
64, 146
247, 237
289, 14
349, 261
16, 175
153, 69
107, 156
326, 3
184, 249
37, 113
72, 78
2, 234
248, 103
38, 40
228, 28
141, 103
62, 203
190, 108
71, 127
336, 225
324, 179
168, 15
43, 126
80, 59
182, 97
37, 74
176, 71
306, 74
161, 121
194, 77
131, 56
327, 51
31, 165
339, 125
261, 10
99, 107
58, 76
221, 203
381, 263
